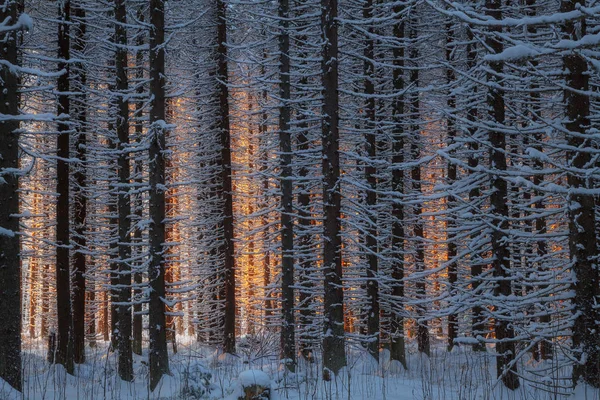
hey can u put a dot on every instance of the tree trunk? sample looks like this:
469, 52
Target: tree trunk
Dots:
334, 352
159, 359
397, 345
582, 217
64, 352
450, 181
10, 263
226, 191
478, 327
418, 229
137, 328
288, 338
124, 201
80, 195
505, 345
372, 309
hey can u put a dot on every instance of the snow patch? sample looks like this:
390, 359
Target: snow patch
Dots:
254, 377
6, 232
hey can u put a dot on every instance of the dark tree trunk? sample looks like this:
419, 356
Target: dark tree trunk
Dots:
80, 195
478, 327
372, 309
113, 218
124, 201
304, 234
505, 345
288, 334
334, 352
64, 347
582, 217
540, 225
159, 360
397, 345
137, 328
451, 179
10, 263
418, 229
305, 221
227, 193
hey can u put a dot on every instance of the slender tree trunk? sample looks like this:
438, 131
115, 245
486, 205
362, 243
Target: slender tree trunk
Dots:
418, 229
34, 268
478, 327
171, 211
64, 352
80, 195
582, 216
104, 316
124, 200
137, 328
264, 130
10, 263
397, 345
372, 309
451, 179
304, 235
159, 360
45, 301
288, 334
91, 313
505, 345
227, 192
334, 352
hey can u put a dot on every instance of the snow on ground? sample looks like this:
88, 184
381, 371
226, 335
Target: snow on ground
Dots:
201, 372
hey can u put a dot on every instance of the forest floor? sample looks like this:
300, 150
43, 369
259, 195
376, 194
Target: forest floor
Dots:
201, 372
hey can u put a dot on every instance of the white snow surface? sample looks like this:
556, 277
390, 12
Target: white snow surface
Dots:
254, 377
202, 372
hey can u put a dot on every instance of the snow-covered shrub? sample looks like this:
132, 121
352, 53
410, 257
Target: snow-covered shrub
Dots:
196, 381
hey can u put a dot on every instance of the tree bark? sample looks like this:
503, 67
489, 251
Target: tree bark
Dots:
64, 347
10, 263
288, 334
423, 341
372, 309
397, 345
124, 200
582, 215
138, 205
159, 360
451, 176
334, 352
505, 345
478, 328
227, 249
